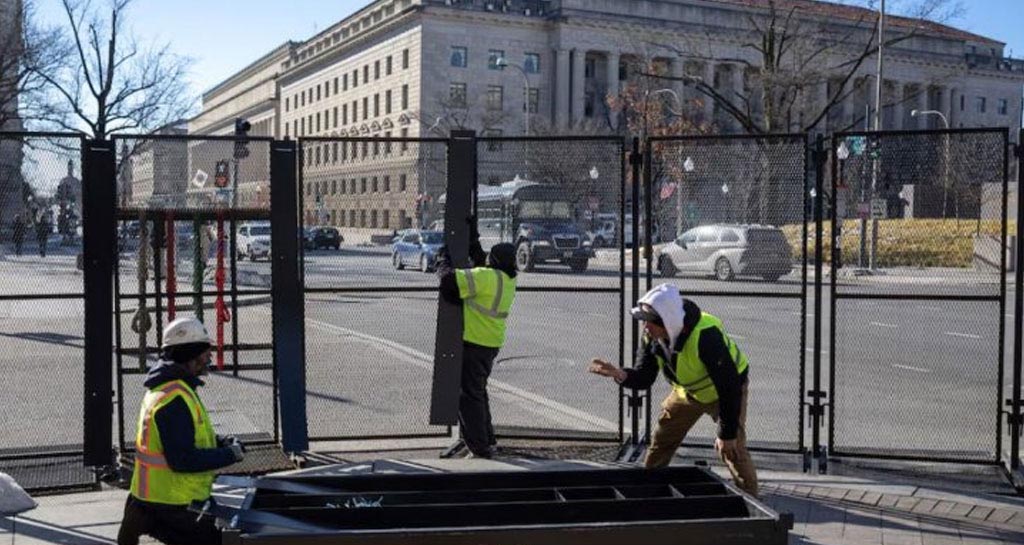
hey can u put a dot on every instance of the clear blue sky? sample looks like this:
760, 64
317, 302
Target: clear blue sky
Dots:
223, 36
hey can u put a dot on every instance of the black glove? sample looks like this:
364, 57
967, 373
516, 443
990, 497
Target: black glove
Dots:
237, 448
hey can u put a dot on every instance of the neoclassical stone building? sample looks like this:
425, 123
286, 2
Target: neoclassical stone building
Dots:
408, 68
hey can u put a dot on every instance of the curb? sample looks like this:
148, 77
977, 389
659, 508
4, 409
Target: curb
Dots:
1005, 517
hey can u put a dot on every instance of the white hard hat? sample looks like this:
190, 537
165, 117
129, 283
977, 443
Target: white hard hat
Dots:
185, 331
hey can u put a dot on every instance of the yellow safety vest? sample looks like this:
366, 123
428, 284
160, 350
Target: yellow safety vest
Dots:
487, 296
690, 376
152, 479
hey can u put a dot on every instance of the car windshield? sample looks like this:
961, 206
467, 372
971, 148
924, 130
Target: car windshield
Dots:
766, 236
545, 210
432, 238
259, 231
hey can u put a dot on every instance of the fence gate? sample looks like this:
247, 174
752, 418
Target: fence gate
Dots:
193, 239
732, 213
918, 287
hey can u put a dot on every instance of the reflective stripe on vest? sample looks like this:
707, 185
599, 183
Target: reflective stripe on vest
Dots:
152, 478
486, 303
690, 375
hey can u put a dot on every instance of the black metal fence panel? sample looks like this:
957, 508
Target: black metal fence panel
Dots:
729, 227
918, 267
194, 240
371, 298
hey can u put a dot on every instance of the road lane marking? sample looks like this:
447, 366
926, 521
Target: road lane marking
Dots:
964, 335
909, 368
880, 324
526, 399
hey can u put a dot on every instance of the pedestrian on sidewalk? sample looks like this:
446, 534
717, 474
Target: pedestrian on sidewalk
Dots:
42, 234
708, 374
176, 450
486, 293
18, 233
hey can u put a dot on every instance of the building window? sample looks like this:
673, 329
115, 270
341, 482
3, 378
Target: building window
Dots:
362, 218
366, 108
351, 218
374, 182
532, 100
963, 103
362, 185
318, 122
376, 152
327, 89
387, 102
387, 142
387, 66
495, 97
376, 105
366, 148
494, 145
373, 219
334, 187
287, 104
458, 57
335, 85
317, 154
387, 184
493, 56
355, 78
589, 65
366, 73
982, 103
588, 104
531, 63
334, 153
405, 59
344, 82
303, 132
318, 93
405, 97
1004, 106
352, 186
401, 182
335, 117
376, 70
457, 95
355, 111
405, 144
302, 98
387, 219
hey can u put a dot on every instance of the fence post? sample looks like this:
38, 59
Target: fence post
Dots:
459, 206
99, 197
1018, 314
288, 312
817, 408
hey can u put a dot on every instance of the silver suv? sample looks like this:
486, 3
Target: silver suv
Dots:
728, 250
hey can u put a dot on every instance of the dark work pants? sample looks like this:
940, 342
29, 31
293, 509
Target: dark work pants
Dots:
474, 405
170, 524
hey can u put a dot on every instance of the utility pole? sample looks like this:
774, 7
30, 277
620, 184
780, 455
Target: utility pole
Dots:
878, 127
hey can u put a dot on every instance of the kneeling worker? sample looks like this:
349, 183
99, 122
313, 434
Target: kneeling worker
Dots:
176, 450
708, 374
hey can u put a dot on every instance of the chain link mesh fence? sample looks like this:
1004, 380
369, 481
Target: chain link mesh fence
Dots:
194, 240
368, 205
919, 293
730, 217
41, 309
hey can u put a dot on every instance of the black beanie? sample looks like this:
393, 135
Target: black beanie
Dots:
184, 353
503, 257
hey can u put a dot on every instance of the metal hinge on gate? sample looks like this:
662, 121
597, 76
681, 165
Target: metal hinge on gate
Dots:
816, 409
1014, 418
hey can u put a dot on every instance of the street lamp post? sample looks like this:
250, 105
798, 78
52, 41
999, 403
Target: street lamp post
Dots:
502, 63
945, 157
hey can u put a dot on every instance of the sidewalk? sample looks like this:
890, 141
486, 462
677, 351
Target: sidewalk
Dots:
828, 510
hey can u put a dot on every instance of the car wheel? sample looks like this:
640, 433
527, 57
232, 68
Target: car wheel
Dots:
666, 267
424, 266
396, 260
723, 270
578, 265
524, 259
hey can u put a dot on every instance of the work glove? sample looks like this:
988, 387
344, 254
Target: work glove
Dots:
237, 448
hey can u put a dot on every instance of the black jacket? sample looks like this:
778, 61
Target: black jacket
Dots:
713, 352
177, 433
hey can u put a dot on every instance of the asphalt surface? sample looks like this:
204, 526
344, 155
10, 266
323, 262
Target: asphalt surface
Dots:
912, 376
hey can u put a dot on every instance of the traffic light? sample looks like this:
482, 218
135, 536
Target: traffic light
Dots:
242, 128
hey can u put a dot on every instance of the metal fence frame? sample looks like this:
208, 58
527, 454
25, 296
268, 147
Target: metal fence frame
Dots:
837, 295
648, 191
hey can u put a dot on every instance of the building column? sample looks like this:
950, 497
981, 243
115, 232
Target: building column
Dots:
709, 104
561, 88
676, 70
579, 57
899, 92
945, 100
925, 122
847, 108
612, 81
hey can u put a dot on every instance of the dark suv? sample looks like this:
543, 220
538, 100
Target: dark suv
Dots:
324, 237
728, 250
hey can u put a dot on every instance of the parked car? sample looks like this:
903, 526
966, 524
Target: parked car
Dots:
254, 240
324, 237
726, 251
417, 248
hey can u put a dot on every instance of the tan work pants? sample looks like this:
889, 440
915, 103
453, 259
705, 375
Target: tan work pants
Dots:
678, 415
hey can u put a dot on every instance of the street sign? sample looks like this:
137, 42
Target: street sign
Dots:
220, 175
199, 180
856, 144
879, 209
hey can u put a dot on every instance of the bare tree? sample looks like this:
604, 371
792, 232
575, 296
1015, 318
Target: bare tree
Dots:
795, 54
27, 50
112, 83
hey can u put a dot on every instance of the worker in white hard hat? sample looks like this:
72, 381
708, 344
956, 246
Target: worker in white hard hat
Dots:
176, 449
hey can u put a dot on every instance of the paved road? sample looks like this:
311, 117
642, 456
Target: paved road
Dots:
902, 367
